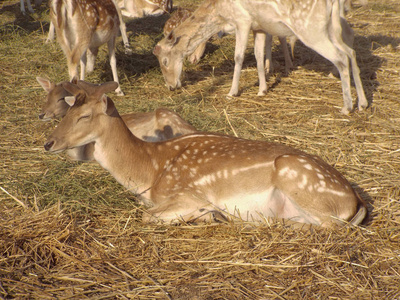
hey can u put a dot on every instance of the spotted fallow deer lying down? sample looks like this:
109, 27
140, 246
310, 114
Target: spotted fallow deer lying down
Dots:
317, 23
82, 26
193, 175
159, 125
142, 8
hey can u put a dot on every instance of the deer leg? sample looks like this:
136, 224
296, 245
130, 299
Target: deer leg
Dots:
127, 46
28, 4
259, 46
91, 58
83, 64
242, 36
308, 188
72, 61
113, 64
288, 60
269, 66
179, 209
50, 36
362, 100
321, 43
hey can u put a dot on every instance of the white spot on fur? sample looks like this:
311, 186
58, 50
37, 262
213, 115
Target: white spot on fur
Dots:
291, 174
303, 182
308, 166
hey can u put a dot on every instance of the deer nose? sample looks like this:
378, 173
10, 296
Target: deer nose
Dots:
171, 88
41, 116
48, 145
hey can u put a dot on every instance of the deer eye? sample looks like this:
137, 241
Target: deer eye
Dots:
61, 99
83, 118
165, 62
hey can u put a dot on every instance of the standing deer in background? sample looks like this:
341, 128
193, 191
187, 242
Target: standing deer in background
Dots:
122, 28
159, 125
194, 175
142, 8
317, 23
82, 26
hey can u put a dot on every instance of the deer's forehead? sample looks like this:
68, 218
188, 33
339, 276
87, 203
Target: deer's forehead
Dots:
80, 108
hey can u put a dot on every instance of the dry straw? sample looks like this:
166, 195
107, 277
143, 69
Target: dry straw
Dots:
69, 231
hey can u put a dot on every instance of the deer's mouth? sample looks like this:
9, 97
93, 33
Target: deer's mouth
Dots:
51, 146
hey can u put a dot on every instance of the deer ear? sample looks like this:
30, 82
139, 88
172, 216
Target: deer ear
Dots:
70, 100
108, 105
46, 84
71, 88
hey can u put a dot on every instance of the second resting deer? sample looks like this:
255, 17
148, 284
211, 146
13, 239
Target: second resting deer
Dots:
159, 125
194, 176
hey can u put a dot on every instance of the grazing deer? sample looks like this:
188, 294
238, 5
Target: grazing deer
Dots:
196, 174
159, 125
82, 26
317, 23
142, 8
177, 17
181, 14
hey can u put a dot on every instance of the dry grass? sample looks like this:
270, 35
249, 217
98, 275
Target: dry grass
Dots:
68, 230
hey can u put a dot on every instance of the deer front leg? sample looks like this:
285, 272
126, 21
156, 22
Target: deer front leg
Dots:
91, 58
242, 36
50, 36
113, 64
83, 65
259, 46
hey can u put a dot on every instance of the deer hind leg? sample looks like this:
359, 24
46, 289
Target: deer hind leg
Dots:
286, 54
362, 100
259, 46
269, 66
178, 209
242, 36
29, 6
113, 64
321, 43
316, 188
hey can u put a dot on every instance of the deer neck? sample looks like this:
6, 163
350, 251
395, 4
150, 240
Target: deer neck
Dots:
200, 27
127, 158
